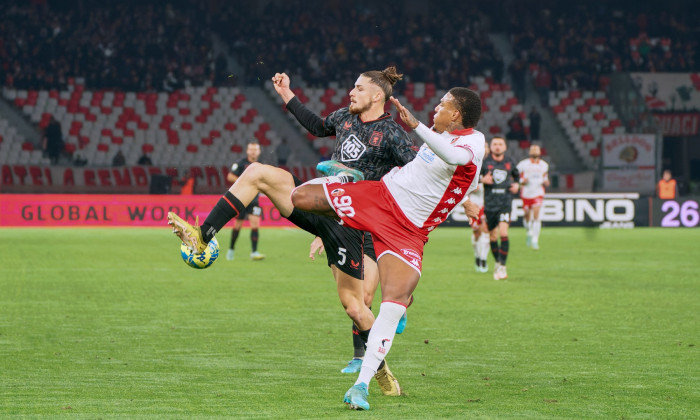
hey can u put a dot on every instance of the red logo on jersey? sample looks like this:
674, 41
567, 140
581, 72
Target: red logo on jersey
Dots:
337, 192
454, 140
347, 125
354, 264
507, 166
376, 138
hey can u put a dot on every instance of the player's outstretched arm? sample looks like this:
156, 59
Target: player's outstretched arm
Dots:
311, 122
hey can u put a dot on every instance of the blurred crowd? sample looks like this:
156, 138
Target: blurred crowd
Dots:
322, 41
574, 45
128, 45
160, 46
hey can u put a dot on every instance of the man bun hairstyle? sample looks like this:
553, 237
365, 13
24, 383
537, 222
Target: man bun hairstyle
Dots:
468, 103
385, 79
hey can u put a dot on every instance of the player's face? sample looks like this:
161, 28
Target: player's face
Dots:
361, 95
498, 147
253, 152
445, 113
535, 152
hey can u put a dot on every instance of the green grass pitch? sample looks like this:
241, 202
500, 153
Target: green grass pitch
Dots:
110, 323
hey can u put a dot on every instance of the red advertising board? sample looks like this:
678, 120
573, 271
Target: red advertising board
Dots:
679, 123
26, 210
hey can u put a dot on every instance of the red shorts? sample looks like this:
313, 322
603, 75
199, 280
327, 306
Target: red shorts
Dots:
477, 222
368, 206
531, 202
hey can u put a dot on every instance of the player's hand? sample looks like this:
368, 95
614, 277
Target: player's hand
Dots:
487, 179
280, 81
471, 209
405, 114
514, 188
523, 181
316, 247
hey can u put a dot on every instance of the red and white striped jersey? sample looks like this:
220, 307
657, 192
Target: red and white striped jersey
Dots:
427, 189
535, 174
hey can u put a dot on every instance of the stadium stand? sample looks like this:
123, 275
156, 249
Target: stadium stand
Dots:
585, 117
193, 126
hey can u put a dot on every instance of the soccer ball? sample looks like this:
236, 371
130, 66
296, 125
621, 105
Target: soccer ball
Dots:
203, 260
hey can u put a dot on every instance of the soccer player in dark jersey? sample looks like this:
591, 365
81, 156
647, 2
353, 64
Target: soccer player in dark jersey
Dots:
500, 177
253, 211
369, 141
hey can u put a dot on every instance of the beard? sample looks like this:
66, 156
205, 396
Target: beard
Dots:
356, 108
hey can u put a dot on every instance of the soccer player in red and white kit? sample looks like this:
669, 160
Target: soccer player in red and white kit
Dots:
401, 210
534, 176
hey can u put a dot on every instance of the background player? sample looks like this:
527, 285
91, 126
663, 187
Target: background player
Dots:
402, 209
500, 178
253, 211
533, 178
480, 232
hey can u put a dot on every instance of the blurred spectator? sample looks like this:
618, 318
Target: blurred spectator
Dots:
79, 160
187, 182
516, 128
53, 140
543, 83
535, 119
144, 160
119, 159
666, 188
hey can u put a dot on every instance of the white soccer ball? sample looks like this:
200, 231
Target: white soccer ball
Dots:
203, 260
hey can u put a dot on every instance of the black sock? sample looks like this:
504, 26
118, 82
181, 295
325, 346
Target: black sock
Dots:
234, 237
254, 239
226, 209
494, 251
504, 249
477, 262
357, 343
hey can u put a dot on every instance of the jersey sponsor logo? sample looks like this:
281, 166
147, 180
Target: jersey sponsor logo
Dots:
499, 175
354, 264
384, 341
376, 138
352, 149
347, 125
454, 140
337, 192
426, 154
410, 253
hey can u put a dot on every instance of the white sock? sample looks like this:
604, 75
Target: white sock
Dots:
381, 336
527, 224
475, 246
536, 227
484, 246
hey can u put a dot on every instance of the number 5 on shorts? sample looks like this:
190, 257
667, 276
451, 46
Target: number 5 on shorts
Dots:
341, 252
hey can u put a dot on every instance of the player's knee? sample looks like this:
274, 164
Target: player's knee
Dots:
300, 197
355, 311
254, 172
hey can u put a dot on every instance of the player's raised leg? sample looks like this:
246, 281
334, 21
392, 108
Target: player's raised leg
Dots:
274, 182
